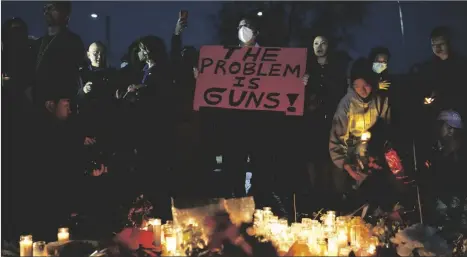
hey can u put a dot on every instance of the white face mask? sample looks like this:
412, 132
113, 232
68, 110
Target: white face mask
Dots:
245, 34
379, 67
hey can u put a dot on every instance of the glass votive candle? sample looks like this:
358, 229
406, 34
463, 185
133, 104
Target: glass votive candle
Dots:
63, 235
345, 251
170, 238
39, 249
25, 245
306, 222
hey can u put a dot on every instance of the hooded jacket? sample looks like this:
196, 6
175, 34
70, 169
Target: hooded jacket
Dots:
353, 117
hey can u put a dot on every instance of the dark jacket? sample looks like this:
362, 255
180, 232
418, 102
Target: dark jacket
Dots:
59, 55
328, 82
446, 78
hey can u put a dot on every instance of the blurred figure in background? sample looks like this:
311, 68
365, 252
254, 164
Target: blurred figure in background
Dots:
60, 52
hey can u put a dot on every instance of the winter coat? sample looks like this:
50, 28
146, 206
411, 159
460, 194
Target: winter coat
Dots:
353, 117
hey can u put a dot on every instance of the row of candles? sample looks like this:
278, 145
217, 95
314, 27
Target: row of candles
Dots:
29, 248
333, 236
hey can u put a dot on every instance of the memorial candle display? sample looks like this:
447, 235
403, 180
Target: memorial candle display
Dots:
63, 235
25, 245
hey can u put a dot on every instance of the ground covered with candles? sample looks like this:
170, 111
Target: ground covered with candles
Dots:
234, 228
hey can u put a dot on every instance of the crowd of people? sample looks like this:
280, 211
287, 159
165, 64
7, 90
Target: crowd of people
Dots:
83, 137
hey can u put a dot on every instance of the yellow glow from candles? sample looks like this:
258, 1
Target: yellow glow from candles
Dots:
428, 100
333, 248
25, 245
366, 136
171, 244
371, 249
156, 230
63, 235
342, 238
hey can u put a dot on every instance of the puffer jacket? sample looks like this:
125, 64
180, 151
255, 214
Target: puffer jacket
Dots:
353, 117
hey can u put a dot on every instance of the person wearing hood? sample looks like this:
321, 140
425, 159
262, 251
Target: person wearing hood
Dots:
356, 113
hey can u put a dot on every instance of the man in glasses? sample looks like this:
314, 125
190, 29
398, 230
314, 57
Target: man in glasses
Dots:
60, 51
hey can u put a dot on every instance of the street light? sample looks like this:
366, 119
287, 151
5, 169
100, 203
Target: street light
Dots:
260, 14
95, 16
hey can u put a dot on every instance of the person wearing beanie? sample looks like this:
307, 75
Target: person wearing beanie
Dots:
356, 113
443, 178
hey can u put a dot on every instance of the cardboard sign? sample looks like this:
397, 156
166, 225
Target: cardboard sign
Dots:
251, 78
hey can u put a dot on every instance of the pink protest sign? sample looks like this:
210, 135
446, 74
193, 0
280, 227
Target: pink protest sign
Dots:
256, 78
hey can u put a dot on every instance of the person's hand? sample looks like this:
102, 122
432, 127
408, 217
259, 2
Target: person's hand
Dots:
305, 79
87, 88
195, 73
180, 26
355, 174
373, 164
430, 99
117, 94
384, 85
89, 141
98, 172
131, 88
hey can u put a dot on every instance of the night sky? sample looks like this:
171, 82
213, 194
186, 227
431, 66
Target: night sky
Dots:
130, 20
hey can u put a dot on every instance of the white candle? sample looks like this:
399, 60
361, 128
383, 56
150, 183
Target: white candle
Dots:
25, 245
171, 244
156, 230
63, 235
342, 239
333, 248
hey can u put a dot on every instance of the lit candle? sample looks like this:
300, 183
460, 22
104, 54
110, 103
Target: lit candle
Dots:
63, 235
25, 245
366, 136
156, 230
38, 249
171, 244
333, 248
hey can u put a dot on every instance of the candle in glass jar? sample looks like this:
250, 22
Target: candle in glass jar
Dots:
333, 248
342, 238
63, 235
156, 230
39, 249
25, 245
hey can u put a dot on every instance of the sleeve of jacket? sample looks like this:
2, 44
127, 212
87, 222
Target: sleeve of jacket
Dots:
175, 50
339, 134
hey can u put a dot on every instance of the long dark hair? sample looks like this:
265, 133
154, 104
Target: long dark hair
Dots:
156, 50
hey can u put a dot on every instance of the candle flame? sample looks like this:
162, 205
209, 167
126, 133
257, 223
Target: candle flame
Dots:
366, 136
429, 100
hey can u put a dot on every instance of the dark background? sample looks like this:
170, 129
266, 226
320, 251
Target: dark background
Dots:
379, 24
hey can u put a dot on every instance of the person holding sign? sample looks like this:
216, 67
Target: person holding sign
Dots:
356, 113
246, 89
